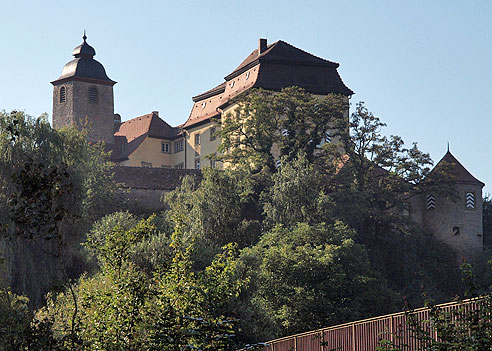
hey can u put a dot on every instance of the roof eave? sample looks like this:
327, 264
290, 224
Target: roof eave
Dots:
83, 79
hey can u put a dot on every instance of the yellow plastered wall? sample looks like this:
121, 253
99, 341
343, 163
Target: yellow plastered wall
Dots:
149, 151
205, 148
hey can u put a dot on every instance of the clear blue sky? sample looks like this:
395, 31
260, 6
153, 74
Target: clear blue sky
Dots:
423, 67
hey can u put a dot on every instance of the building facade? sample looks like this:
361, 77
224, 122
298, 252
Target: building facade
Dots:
83, 97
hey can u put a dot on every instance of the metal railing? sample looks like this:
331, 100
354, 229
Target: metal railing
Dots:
364, 335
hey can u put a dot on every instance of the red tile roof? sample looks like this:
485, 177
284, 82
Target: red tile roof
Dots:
281, 65
459, 171
133, 132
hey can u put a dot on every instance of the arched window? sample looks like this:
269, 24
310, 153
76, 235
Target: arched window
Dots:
63, 94
93, 98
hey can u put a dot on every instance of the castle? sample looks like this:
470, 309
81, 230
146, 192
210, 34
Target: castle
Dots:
83, 97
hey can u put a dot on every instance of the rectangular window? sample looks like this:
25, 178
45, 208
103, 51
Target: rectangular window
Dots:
146, 164
179, 146
197, 163
165, 148
197, 139
212, 133
179, 166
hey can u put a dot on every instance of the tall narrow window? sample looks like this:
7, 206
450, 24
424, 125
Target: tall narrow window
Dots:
178, 146
197, 139
63, 94
470, 201
212, 133
197, 163
431, 201
93, 98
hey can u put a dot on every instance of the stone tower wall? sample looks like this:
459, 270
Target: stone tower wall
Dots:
453, 223
78, 111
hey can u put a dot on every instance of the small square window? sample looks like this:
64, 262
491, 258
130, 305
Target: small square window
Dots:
165, 148
179, 166
146, 164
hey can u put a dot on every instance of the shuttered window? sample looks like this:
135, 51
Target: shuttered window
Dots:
93, 98
63, 94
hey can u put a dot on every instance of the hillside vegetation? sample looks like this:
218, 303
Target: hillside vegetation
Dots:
254, 252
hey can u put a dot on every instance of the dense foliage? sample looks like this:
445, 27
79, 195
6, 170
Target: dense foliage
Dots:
53, 185
261, 250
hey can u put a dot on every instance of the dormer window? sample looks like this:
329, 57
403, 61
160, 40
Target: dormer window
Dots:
431, 201
93, 96
63, 94
470, 201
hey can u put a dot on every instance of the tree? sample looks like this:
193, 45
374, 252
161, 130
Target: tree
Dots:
311, 276
298, 194
53, 183
289, 121
487, 221
125, 307
221, 209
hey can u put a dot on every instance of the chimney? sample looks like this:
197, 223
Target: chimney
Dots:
262, 45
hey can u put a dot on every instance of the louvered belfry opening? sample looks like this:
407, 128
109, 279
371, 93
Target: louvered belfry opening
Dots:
93, 98
470, 201
63, 94
431, 201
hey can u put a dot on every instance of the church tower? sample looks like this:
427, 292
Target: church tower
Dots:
83, 96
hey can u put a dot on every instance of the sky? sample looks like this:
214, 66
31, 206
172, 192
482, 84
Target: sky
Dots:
422, 67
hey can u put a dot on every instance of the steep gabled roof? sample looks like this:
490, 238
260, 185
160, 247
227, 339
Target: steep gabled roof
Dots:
272, 67
280, 52
134, 131
458, 170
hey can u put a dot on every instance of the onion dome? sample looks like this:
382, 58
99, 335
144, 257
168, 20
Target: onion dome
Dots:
83, 67
84, 49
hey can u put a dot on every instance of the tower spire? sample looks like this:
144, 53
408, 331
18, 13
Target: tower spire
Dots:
448, 146
84, 37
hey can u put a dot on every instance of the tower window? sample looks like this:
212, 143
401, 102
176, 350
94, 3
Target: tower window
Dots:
470, 201
431, 201
63, 94
93, 98
197, 139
